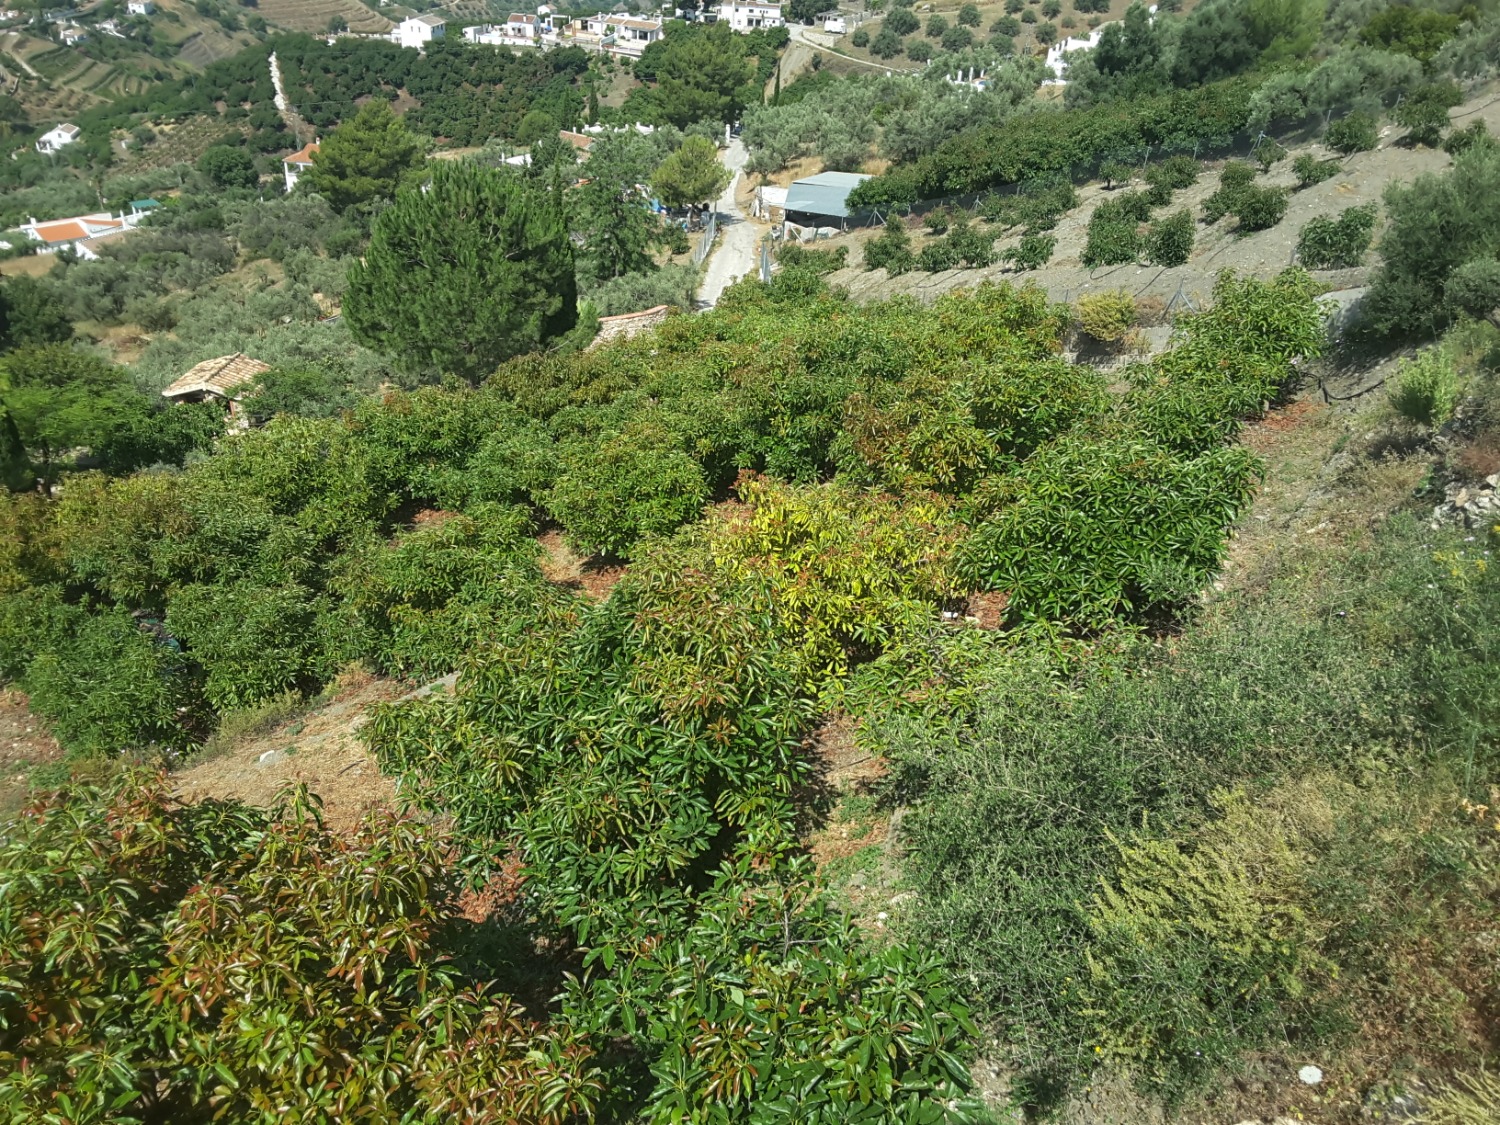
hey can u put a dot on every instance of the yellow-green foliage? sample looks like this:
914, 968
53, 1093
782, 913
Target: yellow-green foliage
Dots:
1472, 1100
839, 573
1222, 918
1107, 317
1425, 389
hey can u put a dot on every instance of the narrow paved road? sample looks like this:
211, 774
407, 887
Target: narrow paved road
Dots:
736, 254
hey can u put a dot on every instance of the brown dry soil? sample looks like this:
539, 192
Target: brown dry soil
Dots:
320, 747
24, 745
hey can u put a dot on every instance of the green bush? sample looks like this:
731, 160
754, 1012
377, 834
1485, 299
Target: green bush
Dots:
938, 220
1116, 173
1424, 112
1033, 251
1167, 176
1462, 140
794, 256
1112, 239
1473, 289
1433, 226
109, 685
919, 50
1259, 208
1310, 170
1425, 389
891, 249
1268, 154
1352, 133
1169, 241
1234, 179
860, 38
134, 920
1327, 243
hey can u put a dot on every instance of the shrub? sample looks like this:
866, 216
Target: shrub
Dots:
794, 256
1268, 153
630, 485
1433, 226
938, 220
968, 15
1028, 16
1425, 389
1033, 251
1007, 26
1474, 289
1310, 170
902, 21
938, 256
1108, 317
1461, 140
1327, 243
887, 44
1235, 177
1169, 241
919, 50
1260, 208
1167, 176
860, 38
133, 920
1116, 173
1424, 112
1112, 240
1352, 133
891, 249
957, 39
936, 26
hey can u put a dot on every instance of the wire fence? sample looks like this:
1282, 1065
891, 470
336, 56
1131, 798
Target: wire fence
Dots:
706, 242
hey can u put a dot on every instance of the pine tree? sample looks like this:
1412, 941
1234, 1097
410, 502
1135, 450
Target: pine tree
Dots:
464, 275
364, 159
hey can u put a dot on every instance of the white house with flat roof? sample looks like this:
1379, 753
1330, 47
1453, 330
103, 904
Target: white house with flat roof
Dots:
418, 31
747, 15
56, 139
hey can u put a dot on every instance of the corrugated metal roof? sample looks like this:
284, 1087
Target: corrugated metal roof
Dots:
823, 194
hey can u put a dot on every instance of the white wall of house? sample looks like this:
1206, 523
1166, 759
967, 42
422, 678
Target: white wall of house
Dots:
744, 15
56, 139
418, 31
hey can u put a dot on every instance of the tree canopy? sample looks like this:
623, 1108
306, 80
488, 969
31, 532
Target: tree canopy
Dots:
464, 273
691, 175
364, 159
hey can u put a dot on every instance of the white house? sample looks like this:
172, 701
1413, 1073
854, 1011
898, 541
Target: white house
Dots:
418, 31
54, 140
82, 235
518, 26
300, 161
747, 15
1057, 54
835, 25
633, 36
485, 33
72, 36
140, 7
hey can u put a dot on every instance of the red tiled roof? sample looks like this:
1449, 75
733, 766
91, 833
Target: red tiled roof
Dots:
578, 140
303, 155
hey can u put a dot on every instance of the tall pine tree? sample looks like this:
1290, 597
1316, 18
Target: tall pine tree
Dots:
465, 273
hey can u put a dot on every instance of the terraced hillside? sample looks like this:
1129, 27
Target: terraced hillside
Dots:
314, 15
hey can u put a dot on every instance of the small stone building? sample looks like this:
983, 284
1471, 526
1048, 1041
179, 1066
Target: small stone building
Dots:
222, 380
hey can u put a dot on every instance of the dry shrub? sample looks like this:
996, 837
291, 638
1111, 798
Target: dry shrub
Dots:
1108, 317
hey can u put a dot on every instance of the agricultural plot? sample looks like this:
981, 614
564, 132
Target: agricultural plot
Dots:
314, 15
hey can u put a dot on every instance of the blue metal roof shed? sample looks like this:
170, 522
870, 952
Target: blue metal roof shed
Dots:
825, 194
